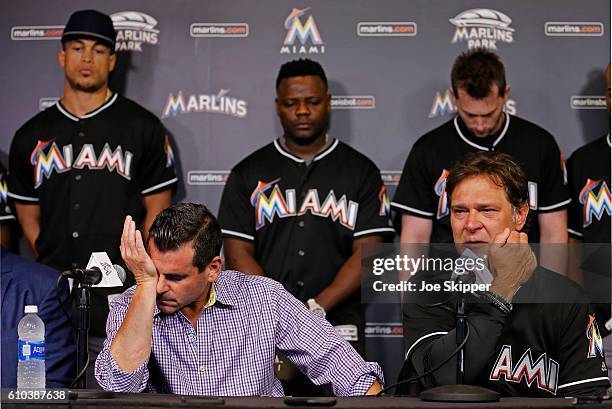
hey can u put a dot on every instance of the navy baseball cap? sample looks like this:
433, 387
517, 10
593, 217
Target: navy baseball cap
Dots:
90, 24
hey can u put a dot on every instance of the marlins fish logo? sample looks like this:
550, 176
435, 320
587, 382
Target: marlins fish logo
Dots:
440, 189
594, 338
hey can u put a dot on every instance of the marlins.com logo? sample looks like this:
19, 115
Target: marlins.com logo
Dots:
482, 28
220, 103
305, 32
574, 29
588, 102
36, 32
134, 29
443, 105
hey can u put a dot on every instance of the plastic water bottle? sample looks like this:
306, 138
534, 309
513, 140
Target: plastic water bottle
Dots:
31, 354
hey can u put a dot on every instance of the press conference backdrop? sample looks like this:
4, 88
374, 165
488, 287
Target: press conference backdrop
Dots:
207, 68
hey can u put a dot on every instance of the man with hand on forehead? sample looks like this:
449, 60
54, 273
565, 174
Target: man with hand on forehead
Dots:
189, 328
533, 332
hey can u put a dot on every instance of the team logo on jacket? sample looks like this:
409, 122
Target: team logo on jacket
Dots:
3, 189
544, 371
47, 158
270, 202
594, 338
482, 28
305, 32
440, 189
385, 203
595, 200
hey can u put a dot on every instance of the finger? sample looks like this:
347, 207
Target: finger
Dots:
139, 243
514, 237
502, 237
126, 225
523, 238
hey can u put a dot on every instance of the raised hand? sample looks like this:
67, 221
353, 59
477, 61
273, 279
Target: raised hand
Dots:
513, 262
135, 256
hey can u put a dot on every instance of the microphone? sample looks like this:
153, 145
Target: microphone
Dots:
92, 276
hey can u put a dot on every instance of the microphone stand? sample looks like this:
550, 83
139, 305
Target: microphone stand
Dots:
84, 303
460, 392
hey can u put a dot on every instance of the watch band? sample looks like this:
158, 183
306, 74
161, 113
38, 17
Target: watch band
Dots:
316, 308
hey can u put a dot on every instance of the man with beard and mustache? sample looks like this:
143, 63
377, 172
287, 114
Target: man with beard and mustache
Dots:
79, 167
299, 209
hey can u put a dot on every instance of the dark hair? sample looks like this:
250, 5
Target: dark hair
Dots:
301, 68
499, 167
476, 71
185, 222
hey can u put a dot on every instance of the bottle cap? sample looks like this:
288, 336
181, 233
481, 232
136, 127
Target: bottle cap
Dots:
30, 309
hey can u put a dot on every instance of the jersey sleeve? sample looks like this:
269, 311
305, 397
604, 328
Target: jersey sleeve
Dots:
158, 172
415, 192
235, 211
7, 215
373, 214
21, 180
574, 215
553, 193
582, 354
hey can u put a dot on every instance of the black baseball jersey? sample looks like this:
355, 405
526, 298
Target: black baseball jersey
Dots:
588, 176
422, 188
7, 215
303, 218
545, 347
87, 174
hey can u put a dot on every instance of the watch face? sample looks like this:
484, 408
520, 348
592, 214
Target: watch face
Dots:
319, 311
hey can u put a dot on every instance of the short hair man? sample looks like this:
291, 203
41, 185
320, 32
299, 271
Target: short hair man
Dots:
299, 209
189, 328
22, 283
480, 92
77, 168
532, 333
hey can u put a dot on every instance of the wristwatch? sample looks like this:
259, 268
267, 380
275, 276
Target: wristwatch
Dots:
316, 308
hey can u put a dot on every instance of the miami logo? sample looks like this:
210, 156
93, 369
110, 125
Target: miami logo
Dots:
594, 205
302, 32
270, 202
595, 341
440, 189
47, 157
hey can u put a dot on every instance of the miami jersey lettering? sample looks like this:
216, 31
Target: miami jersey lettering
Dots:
276, 203
47, 157
544, 371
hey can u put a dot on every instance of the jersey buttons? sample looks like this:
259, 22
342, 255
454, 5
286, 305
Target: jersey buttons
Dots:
75, 234
301, 223
301, 253
78, 177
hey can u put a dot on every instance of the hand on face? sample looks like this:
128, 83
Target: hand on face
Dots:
135, 256
513, 262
